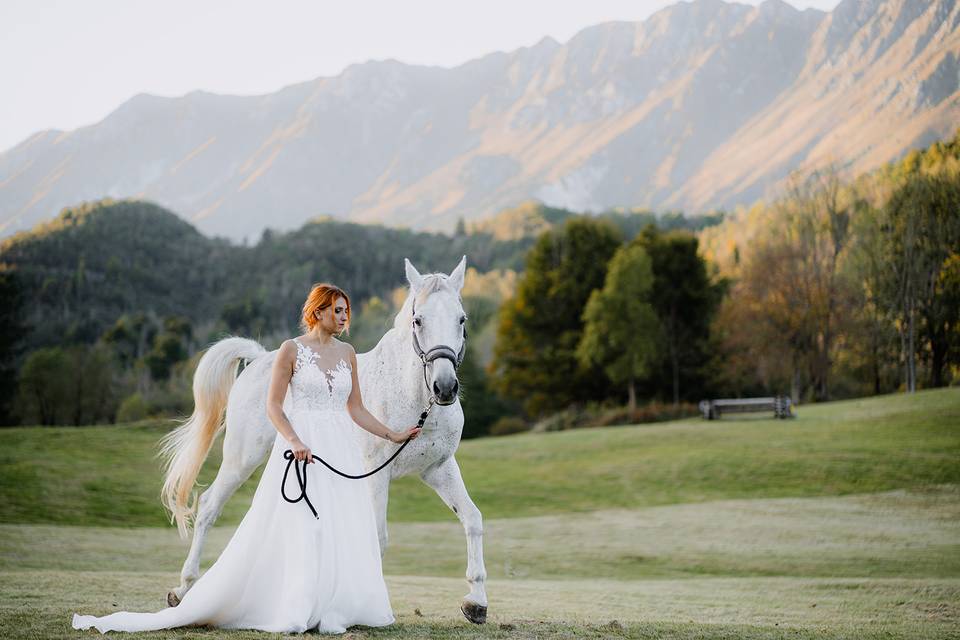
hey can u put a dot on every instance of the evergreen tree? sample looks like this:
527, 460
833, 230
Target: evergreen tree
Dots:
170, 346
540, 327
685, 301
11, 342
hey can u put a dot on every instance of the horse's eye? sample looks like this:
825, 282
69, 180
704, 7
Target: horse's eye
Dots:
463, 319
417, 322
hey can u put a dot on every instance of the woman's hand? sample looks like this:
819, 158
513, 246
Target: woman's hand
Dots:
301, 451
398, 437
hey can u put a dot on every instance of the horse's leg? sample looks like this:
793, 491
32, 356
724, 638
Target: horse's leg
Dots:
446, 480
379, 489
240, 459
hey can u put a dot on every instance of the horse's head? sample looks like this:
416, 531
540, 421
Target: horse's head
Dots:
433, 313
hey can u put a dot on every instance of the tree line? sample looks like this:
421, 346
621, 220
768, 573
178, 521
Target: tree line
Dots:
596, 315
120, 297
844, 289
835, 289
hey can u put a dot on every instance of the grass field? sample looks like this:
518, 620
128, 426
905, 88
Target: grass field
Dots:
842, 523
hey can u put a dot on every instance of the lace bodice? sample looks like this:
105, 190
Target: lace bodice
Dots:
314, 388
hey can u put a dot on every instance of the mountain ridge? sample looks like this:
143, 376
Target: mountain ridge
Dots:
703, 105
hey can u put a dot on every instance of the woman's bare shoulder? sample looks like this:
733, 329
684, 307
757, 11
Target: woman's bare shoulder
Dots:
287, 349
345, 348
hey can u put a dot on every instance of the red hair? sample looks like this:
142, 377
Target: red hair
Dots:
322, 295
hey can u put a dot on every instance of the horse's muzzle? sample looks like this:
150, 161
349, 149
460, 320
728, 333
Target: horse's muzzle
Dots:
446, 394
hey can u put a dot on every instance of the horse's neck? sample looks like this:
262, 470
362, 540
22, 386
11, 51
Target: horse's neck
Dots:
404, 371
401, 396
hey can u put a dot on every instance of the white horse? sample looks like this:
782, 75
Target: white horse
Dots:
398, 378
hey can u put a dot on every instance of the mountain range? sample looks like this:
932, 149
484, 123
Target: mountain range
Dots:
703, 105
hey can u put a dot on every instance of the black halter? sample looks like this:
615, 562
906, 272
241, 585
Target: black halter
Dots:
439, 351
435, 353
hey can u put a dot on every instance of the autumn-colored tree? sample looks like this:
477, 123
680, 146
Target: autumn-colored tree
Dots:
792, 292
871, 353
817, 224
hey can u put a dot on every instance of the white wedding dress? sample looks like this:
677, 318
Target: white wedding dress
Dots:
284, 570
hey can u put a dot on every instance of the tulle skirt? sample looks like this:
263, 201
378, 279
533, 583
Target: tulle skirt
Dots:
284, 570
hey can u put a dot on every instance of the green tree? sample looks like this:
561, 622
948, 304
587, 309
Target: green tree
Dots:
129, 337
69, 385
948, 298
11, 342
620, 326
91, 371
244, 317
170, 346
369, 322
922, 229
685, 301
871, 334
540, 327
43, 393
481, 405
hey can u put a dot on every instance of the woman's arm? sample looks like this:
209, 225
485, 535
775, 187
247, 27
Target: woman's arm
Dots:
279, 380
366, 419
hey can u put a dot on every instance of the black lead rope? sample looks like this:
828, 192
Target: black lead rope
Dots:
302, 475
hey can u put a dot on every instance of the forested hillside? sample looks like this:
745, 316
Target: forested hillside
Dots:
835, 289
124, 294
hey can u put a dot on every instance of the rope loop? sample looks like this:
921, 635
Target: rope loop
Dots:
301, 471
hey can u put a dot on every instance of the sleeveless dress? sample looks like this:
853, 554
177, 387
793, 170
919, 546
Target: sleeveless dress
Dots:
285, 570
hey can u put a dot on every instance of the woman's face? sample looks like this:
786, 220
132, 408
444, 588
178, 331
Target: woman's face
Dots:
333, 319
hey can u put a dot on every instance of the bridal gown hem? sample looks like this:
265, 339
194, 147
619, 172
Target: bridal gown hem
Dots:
284, 570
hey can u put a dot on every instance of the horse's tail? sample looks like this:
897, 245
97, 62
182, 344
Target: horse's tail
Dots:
185, 448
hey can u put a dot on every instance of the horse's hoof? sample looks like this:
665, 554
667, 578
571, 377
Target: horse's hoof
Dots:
475, 613
172, 598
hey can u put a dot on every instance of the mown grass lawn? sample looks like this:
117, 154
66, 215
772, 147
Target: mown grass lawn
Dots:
844, 523
109, 475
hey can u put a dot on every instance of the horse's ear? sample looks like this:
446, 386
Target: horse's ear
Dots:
413, 276
455, 279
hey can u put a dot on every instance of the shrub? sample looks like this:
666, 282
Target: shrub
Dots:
133, 408
507, 425
592, 415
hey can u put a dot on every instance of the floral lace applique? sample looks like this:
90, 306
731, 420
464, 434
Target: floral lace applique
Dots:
316, 388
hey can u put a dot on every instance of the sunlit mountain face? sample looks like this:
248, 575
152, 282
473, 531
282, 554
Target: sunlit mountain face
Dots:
705, 104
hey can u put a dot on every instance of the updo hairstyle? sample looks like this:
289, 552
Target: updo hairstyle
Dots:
322, 295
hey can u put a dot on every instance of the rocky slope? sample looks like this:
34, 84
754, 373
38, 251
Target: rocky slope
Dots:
705, 104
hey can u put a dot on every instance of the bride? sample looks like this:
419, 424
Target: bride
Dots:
286, 570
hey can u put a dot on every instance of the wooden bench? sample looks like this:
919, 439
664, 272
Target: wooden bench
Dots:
714, 409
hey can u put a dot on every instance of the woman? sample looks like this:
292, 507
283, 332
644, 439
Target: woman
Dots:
286, 570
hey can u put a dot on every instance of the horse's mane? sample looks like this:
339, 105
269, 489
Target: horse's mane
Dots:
432, 282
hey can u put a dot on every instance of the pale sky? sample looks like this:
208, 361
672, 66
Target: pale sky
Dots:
68, 63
